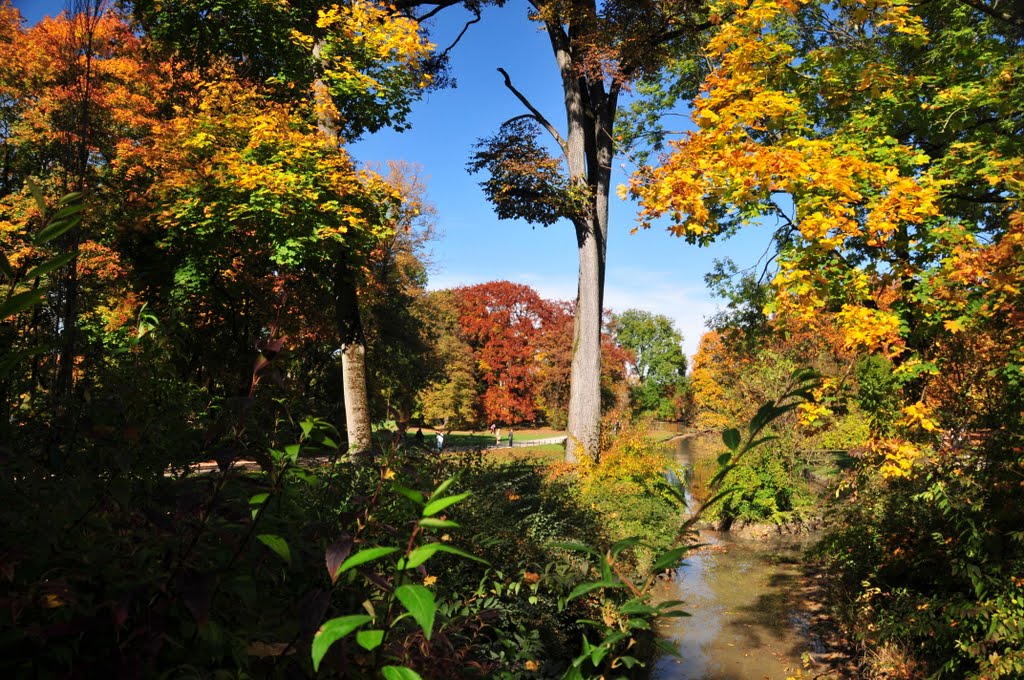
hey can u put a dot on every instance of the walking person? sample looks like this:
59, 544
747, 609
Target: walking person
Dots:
497, 437
440, 442
510, 438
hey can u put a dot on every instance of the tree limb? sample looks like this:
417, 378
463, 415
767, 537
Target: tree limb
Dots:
537, 115
474, 20
996, 13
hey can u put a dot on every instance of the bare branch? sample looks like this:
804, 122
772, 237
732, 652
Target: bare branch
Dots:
474, 20
537, 115
407, 7
996, 13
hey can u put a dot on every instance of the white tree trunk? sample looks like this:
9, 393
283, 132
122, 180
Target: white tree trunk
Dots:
357, 412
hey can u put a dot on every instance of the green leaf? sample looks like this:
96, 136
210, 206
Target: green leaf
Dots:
767, 413
399, 673
411, 494
370, 639
256, 502
758, 442
69, 208
20, 302
423, 553
37, 194
70, 198
436, 506
438, 523
720, 495
53, 230
638, 607
332, 631
584, 588
278, 545
364, 556
670, 559
731, 438
443, 486
624, 544
5, 267
50, 265
461, 553
419, 601
419, 555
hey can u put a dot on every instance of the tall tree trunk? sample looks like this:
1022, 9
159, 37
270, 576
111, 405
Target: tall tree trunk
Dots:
584, 425
353, 360
78, 54
590, 114
349, 322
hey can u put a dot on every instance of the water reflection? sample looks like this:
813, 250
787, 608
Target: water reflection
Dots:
740, 598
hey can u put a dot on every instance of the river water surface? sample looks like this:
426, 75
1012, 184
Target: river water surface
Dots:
740, 595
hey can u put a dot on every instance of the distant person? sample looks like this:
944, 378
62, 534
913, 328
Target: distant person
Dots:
510, 438
497, 436
419, 437
491, 428
440, 442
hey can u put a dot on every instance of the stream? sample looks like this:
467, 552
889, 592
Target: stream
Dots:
739, 594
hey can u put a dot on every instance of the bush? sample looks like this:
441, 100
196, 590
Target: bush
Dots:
933, 564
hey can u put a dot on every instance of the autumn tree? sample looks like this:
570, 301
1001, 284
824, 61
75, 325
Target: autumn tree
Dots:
502, 322
401, 352
252, 203
600, 51
355, 68
79, 96
452, 396
871, 225
891, 149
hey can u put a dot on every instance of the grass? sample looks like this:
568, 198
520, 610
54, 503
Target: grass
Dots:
483, 439
660, 436
539, 454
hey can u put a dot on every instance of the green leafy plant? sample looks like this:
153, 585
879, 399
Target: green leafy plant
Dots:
624, 599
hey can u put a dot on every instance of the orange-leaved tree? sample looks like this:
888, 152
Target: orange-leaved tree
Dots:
836, 138
889, 146
80, 96
344, 70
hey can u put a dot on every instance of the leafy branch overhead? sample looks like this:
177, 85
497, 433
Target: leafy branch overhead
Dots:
524, 181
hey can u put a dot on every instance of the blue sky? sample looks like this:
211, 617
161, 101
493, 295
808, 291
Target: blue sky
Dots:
650, 270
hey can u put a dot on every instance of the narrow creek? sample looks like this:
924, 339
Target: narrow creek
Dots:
740, 595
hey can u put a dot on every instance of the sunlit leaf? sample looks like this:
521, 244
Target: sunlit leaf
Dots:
399, 673
363, 556
332, 631
370, 639
278, 545
419, 602
436, 506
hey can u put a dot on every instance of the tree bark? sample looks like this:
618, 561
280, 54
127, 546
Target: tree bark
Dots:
357, 413
590, 115
349, 321
353, 360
